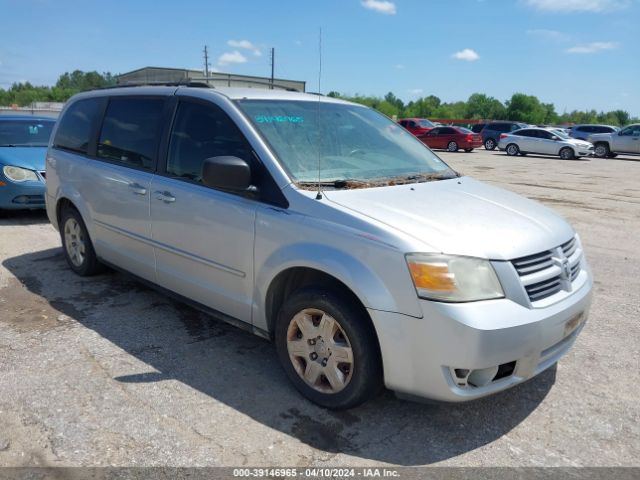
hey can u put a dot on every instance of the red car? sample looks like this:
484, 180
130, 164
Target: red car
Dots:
452, 139
417, 126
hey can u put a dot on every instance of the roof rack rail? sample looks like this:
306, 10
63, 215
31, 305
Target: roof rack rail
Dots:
159, 84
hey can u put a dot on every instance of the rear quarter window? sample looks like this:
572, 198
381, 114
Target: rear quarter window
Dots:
76, 125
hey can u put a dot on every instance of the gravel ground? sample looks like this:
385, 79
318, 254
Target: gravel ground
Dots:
104, 371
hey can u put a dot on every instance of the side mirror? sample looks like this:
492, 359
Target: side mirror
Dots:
227, 173
620, 133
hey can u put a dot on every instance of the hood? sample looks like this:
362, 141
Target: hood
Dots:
461, 217
25, 157
582, 143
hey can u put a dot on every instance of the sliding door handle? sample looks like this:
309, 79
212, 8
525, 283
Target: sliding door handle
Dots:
165, 196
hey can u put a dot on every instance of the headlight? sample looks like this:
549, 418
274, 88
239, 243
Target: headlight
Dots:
17, 174
453, 279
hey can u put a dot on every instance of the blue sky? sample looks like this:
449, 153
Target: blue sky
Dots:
576, 54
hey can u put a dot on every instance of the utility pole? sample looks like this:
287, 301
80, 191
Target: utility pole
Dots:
273, 65
206, 64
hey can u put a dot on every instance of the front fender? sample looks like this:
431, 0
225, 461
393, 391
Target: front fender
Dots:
394, 293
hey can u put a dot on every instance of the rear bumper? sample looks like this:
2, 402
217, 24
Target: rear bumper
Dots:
421, 355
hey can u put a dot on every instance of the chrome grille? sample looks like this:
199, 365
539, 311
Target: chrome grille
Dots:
542, 274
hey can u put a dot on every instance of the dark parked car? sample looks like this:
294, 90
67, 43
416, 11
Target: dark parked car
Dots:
492, 131
582, 132
452, 139
478, 127
417, 126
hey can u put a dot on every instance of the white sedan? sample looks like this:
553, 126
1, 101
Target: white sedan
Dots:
544, 141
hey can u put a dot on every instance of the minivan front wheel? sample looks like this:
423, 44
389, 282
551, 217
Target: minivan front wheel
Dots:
77, 245
328, 349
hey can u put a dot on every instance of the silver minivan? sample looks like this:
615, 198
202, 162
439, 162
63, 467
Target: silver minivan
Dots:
324, 226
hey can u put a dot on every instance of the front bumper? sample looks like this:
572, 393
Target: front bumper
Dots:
584, 152
19, 196
420, 355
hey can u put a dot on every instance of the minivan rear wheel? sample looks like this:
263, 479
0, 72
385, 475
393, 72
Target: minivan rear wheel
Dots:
77, 246
490, 144
328, 349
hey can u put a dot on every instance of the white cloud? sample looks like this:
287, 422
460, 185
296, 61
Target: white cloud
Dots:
415, 91
578, 5
231, 57
246, 44
380, 6
545, 34
593, 47
400, 66
467, 55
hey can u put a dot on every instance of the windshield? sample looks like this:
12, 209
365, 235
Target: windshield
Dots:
348, 142
560, 133
424, 123
25, 133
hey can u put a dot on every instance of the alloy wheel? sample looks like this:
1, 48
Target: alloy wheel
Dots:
601, 151
74, 242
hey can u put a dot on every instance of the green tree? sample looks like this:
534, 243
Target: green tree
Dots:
526, 108
481, 106
68, 84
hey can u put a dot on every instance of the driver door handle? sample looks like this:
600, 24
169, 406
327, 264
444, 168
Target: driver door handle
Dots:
165, 196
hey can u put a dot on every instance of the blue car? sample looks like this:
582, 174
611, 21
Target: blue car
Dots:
23, 147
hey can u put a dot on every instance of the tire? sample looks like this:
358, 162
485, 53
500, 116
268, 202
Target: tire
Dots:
468, 150
452, 147
567, 153
490, 144
601, 150
512, 150
77, 246
353, 382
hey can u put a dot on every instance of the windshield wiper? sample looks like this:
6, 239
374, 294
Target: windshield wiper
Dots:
422, 177
337, 184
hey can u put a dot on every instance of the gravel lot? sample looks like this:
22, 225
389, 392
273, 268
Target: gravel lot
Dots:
104, 371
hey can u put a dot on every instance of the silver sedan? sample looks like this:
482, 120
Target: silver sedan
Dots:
544, 141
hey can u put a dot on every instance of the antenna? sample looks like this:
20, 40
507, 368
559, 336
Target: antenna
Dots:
319, 195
